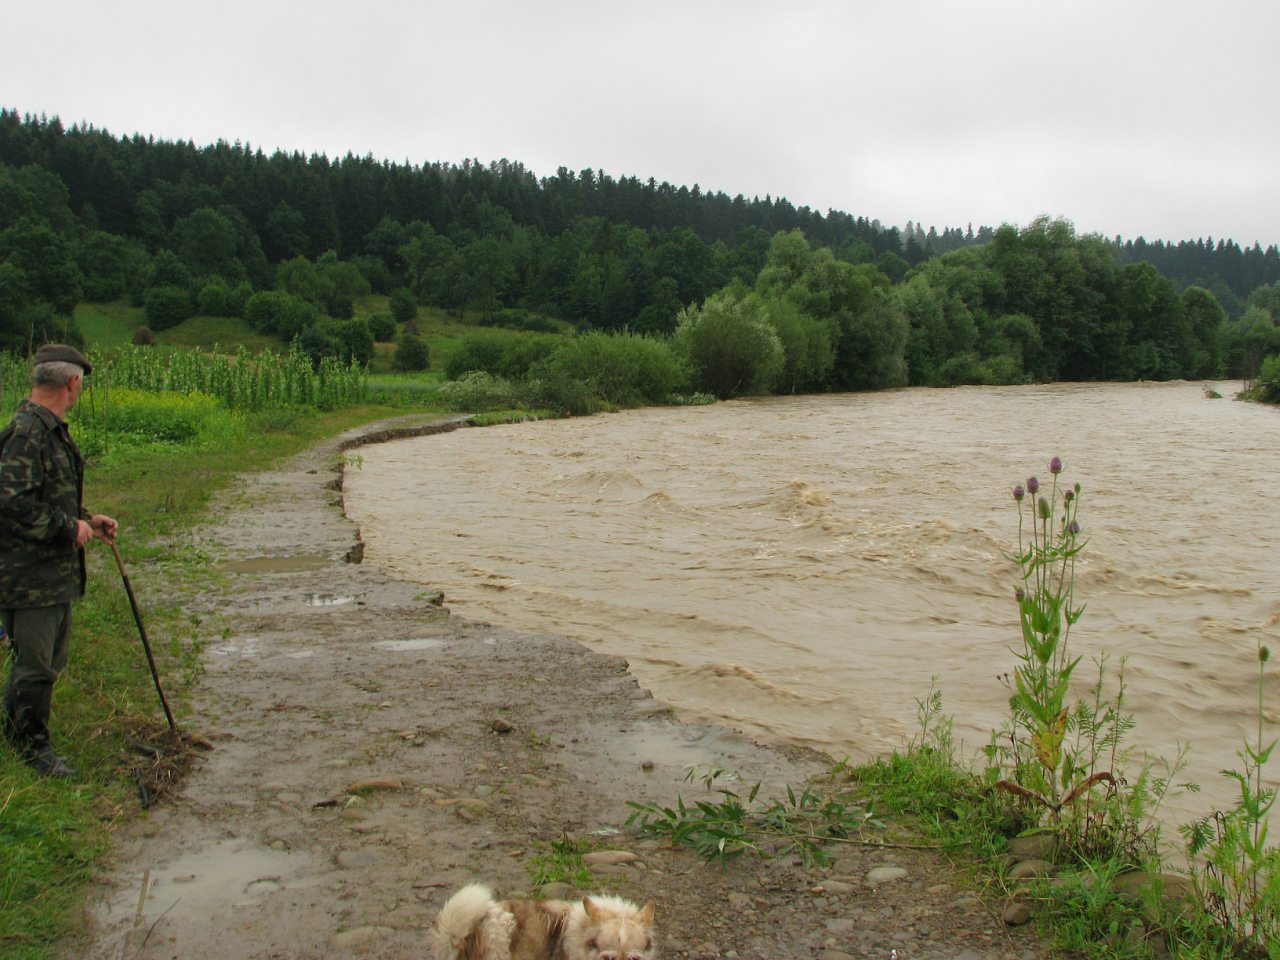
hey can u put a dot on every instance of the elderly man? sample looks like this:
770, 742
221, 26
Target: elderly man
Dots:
43, 530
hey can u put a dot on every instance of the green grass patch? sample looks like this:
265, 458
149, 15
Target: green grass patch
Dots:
224, 333
106, 326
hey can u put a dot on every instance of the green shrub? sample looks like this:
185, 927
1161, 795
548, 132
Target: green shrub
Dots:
565, 396
382, 326
477, 391
480, 351
166, 306
622, 369
282, 314
538, 325
730, 344
216, 299
403, 305
1267, 384
520, 354
411, 354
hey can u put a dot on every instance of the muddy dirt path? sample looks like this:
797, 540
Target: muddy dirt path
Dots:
484, 746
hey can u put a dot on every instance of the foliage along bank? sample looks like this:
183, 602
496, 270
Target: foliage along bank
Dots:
290, 243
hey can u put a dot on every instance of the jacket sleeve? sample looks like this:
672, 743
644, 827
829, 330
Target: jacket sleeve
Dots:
22, 506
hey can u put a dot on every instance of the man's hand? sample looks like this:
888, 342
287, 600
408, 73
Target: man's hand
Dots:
104, 528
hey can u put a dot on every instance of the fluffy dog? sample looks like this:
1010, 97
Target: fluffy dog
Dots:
472, 925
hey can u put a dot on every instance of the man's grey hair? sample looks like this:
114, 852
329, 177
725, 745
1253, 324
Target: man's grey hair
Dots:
56, 374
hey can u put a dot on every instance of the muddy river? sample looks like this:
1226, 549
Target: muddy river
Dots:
802, 568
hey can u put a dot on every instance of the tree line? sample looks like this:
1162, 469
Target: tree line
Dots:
289, 242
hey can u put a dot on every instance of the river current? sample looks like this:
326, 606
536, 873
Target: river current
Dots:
804, 568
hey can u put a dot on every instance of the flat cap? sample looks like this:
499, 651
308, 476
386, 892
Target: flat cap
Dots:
61, 353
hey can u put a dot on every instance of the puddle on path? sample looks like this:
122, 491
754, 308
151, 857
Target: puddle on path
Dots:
327, 600
418, 643
682, 746
295, 564
239, 647
200, 884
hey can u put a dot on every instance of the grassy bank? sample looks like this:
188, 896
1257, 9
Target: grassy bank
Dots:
51, 832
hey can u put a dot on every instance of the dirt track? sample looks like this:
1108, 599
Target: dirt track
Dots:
332, 673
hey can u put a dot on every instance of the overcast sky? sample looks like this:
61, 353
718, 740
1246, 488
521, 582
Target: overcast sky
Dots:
1134, 117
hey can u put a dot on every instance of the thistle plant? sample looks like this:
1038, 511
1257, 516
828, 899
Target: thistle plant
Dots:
1059, 752
1048, 544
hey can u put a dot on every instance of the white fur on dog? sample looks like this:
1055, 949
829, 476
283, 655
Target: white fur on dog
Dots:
473, 925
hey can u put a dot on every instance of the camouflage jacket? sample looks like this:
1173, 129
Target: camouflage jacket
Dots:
41, 489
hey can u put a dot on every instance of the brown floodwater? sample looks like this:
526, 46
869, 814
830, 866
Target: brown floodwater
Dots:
802, 568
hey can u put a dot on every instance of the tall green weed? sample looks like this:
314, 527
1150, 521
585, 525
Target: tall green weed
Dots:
1237, 874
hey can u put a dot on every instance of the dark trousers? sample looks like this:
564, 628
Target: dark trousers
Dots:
39, 640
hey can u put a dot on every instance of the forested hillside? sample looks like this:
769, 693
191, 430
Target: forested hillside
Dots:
290, 242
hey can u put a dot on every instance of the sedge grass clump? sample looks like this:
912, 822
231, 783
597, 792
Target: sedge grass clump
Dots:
804, 824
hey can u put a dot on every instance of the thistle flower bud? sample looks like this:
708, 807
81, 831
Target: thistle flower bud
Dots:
1055, 466
1068, 495
1264, 654
1019, 594
1073, 528
1044, 508
1019, 493
1032, 485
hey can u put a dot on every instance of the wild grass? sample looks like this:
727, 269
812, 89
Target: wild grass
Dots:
205, 333
108, 325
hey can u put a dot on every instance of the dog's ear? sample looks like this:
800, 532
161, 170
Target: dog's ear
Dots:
645, 916
593, 911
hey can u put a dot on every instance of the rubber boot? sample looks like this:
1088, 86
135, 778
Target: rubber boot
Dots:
31, 731
8, 721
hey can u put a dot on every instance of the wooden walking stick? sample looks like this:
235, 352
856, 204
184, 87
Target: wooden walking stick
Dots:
146, 644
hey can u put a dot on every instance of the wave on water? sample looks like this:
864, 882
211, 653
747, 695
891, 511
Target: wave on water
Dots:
615, 484
735, 675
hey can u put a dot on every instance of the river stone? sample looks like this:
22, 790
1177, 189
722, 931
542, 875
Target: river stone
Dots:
884, 875
612, 869
1028, 869
1132, 883
837, 886
358, 936
608, 857
1176, 893
1016, 913
840, 925
376, 783
357, 859
1035, 846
